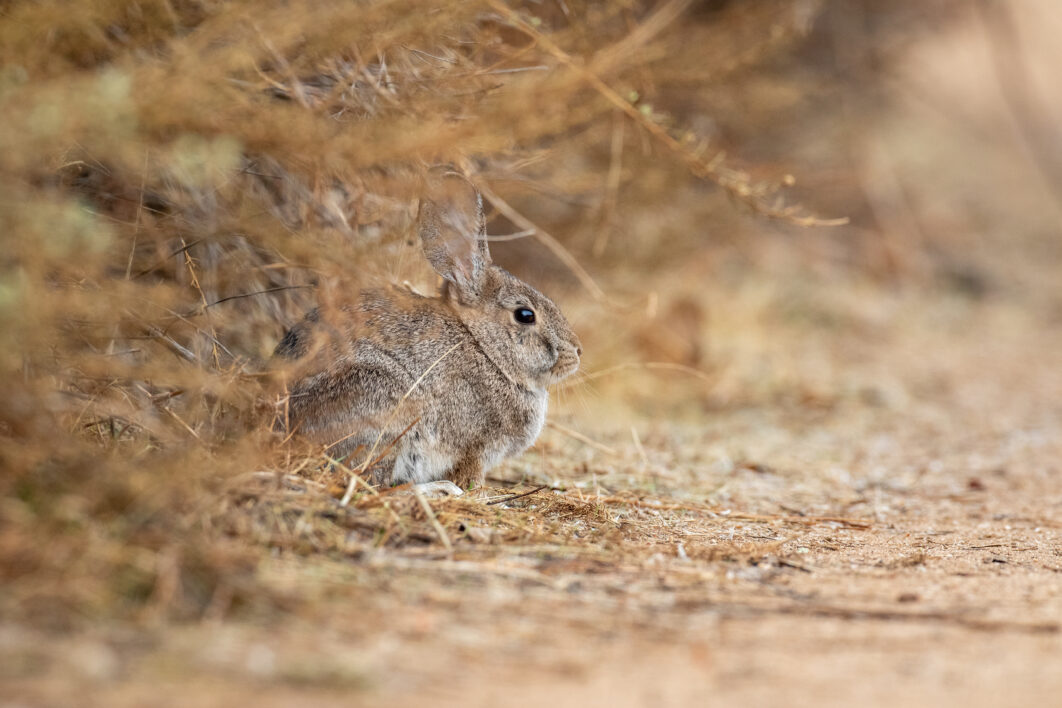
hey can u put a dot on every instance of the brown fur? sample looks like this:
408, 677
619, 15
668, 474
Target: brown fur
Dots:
467, 379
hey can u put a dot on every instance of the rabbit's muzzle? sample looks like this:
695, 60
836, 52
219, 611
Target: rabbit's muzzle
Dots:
567, 363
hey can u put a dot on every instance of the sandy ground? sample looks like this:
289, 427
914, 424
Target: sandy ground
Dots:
864, 509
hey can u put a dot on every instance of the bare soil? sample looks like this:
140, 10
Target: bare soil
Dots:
863, 508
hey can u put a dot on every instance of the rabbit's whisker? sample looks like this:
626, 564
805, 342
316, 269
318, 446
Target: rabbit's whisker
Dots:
650, 365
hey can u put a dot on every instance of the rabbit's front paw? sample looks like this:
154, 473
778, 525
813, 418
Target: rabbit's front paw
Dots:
442, 488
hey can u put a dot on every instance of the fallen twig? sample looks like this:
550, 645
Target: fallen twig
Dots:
885, 615
743, 516
517, 496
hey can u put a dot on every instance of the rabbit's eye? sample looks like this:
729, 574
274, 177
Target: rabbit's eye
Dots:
524, 315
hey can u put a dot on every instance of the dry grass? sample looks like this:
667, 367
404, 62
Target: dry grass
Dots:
765, 408
182, 181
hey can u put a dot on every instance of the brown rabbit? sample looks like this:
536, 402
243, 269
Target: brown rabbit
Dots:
475, 361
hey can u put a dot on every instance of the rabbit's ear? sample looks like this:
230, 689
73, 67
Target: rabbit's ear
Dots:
453, 232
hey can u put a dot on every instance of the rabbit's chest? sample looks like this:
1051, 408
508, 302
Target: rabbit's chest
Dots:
521, 427
491, 434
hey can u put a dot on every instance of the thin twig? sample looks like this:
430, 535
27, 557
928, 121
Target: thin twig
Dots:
190, 263
139, 213
181, 421
391, 445
257, 292
432, 518
176, 253
199, 330
563, 254
804, 520
638, 446
517, 496
179, 349
871, 614
612, 185
796, 566
296, 89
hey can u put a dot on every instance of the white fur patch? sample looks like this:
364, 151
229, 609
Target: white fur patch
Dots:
420, 460
420, 464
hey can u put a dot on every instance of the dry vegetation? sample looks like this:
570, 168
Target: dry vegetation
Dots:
811, 248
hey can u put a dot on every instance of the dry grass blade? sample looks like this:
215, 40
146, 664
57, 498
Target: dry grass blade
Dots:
547, 240
391, 445
444, 538
372, 451
659, 20
576, 435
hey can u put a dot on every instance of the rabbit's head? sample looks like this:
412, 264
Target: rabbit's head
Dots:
518, 328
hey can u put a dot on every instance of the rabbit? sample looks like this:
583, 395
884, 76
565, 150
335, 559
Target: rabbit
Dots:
467, 372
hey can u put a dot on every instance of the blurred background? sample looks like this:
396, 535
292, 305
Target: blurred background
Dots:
734, 201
